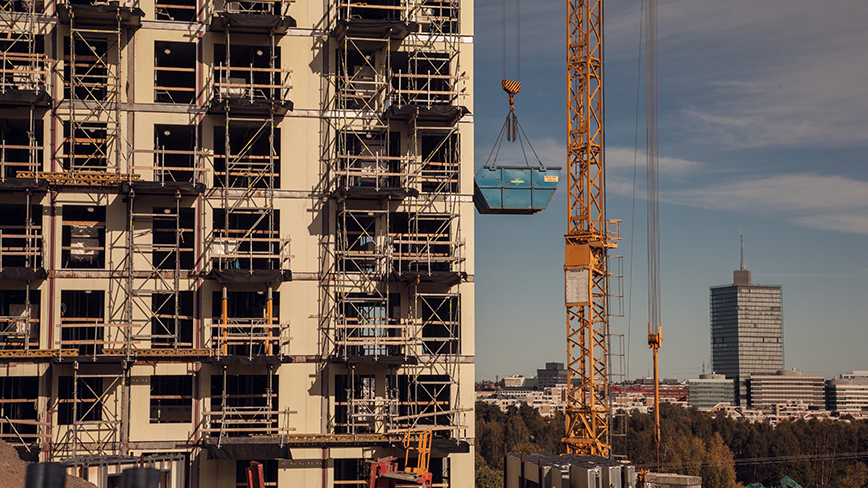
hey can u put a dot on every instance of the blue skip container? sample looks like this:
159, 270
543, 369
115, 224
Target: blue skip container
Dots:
516, 190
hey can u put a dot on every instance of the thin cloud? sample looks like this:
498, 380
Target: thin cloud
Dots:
822, 202
623, 157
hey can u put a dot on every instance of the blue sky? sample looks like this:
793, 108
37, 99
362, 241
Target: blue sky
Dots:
763, 127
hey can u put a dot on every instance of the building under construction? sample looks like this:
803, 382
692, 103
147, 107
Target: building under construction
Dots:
236, 231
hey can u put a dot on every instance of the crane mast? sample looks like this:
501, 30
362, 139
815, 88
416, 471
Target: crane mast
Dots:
589, 237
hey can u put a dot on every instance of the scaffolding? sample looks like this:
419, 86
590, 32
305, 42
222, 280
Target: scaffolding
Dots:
397, 253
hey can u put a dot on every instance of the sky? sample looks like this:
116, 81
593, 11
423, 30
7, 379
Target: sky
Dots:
763, 130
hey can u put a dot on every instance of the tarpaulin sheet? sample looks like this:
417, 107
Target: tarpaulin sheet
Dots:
25, 97
375, 29
381, 359
443, 113
245, 106
14, 184
442, 277
22, 274
373, 193
251, 22
248, 450
242, 360
226, 276
100, 13
157, 188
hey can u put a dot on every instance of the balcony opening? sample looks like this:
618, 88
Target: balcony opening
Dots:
439, 172
171, 399
86, 146
89, 405
370, 325
250, 73
356, 409
173, 235
371, 159
83, 237
253, 160
174, 72
269, 472
169, 330
250, 401
15, 324
19, 408
17, 152
82, 321
176, 10
372, 10
247, 331
22, 70
20, 247
174, 153
423, 243
89, 78
440, 316
247, 242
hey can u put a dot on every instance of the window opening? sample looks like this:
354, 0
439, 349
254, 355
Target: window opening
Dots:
177, 10
171, 399
81, 320
174, 71
19, 323
175, 153
247, 330
21, 149
168, 329
83, 240
251, 240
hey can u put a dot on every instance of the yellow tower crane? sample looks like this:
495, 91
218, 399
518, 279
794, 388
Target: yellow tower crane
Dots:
589, 237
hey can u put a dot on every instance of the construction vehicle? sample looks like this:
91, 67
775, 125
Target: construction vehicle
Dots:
417, 444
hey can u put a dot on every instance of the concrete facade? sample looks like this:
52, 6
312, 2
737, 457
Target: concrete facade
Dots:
241, 231
766, 391
848, 393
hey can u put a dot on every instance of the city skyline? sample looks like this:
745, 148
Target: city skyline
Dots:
755, 137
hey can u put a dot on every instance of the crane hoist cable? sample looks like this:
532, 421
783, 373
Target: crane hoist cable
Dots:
511, 129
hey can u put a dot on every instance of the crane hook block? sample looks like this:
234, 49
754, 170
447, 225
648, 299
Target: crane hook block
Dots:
511, 88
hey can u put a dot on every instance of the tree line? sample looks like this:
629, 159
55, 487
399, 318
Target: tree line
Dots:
726, 452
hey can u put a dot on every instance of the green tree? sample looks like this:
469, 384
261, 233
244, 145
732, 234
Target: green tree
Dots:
485, 476
719, 470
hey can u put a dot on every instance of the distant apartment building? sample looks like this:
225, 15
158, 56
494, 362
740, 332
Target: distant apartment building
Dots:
554, 374
709, 390
849, 393
767, 390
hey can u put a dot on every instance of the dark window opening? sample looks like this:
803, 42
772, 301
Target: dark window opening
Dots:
175, 153
247, 242
87, 408
83, 239
246, 331
422, 242
360, 80
86, 146
269, 472
357, 241
81, 320
440, 324
371, 159
20, 247
15, 327
173, 234
177, 10
253, 159
89, 78
352, 470
23, 70
169, 329
249, 404
19, 403
250, 73
372, 10
423, 79
19, 153
171, 399
370, 325
423, 395
174, 72
440, 163
354, 411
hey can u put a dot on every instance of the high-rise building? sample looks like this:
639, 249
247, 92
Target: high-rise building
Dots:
746, 328
236, 231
